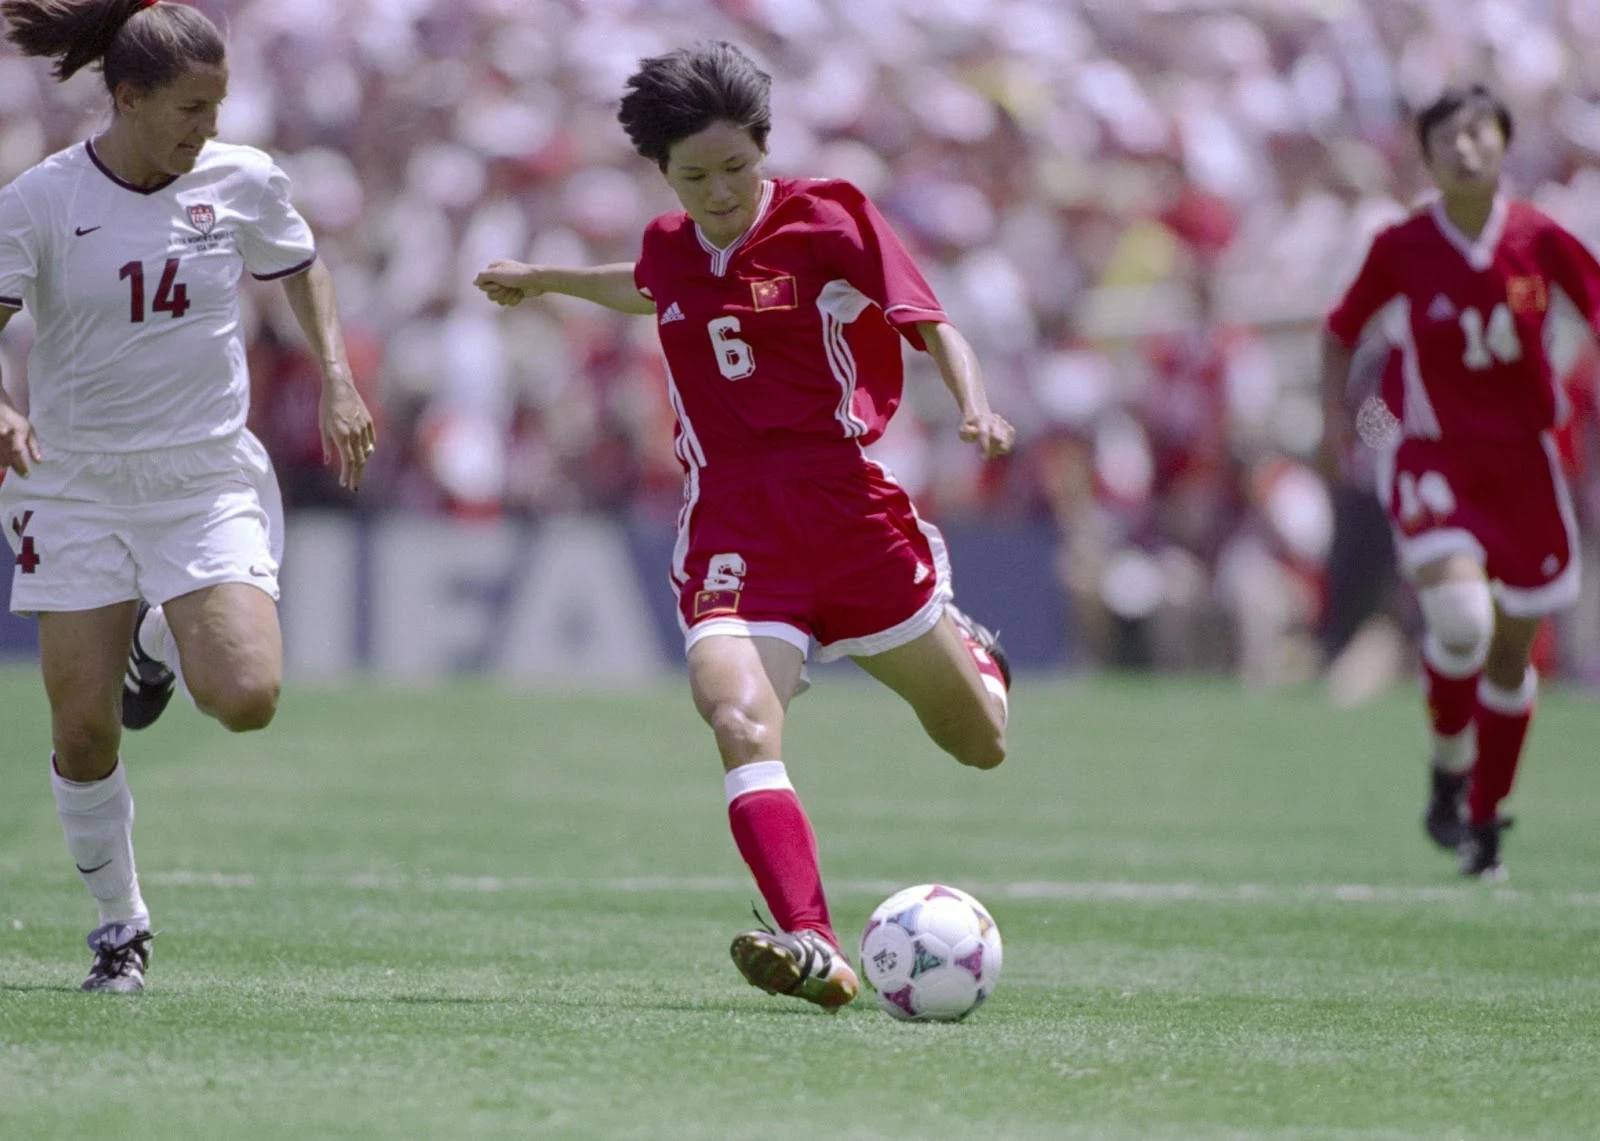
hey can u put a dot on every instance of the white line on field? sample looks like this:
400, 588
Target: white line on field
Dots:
1106, 891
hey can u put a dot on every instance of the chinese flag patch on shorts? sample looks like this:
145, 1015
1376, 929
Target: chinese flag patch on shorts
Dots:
716, 602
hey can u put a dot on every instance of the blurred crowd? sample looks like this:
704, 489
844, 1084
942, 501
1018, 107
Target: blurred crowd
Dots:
1137, 210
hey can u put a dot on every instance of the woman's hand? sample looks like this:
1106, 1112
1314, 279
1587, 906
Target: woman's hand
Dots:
993, 434
19, 447
509, 283
347, 429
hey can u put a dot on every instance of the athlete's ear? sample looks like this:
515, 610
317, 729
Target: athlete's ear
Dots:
128, 97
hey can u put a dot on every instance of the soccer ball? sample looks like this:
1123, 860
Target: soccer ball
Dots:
931, 953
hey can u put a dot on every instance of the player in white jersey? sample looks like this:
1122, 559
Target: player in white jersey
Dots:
132, 479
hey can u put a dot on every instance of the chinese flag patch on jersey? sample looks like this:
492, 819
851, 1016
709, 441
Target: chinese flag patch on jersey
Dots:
778, 293
716, 602
1527, 294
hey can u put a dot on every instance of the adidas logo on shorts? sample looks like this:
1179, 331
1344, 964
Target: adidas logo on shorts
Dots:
672, 314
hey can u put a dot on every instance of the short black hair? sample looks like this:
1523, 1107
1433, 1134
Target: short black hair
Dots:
1451, 100
682, 93
146, 44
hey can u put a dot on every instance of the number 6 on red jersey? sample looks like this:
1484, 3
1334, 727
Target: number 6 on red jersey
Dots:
735, 358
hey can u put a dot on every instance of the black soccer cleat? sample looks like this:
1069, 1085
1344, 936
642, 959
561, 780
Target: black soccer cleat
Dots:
121, 955
1480, 849
148, 684
983, 637
1443, 817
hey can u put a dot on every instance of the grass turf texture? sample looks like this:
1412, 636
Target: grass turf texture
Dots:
479, 913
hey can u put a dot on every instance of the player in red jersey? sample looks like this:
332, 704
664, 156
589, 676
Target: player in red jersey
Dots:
1483, 519
781, 305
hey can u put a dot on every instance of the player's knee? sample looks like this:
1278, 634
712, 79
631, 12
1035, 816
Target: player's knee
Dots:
973, 732
984, 750
978, 742
246, 707
1507, 664
1460, 621
86, 746
741, 736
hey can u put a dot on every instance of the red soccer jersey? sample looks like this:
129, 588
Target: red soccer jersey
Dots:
791, 335
1469, 319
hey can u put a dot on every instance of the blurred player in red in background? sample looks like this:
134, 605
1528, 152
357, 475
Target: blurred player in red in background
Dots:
781, 305
1483, 519
133, 479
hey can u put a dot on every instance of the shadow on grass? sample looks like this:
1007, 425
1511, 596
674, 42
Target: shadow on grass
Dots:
420, 999
708, 1007
792, 1010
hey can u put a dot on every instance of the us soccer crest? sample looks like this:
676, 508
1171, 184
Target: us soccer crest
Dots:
202, 217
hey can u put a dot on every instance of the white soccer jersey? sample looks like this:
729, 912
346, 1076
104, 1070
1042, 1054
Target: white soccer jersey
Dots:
135, 293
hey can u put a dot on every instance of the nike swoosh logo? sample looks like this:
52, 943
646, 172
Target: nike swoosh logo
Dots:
90, 230
91, 871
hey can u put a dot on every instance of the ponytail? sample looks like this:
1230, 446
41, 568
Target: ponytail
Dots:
137, 41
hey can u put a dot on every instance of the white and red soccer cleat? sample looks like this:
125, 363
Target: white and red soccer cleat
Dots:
799, 963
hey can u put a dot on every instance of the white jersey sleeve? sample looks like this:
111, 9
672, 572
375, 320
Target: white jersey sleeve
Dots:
19, 252
276, 242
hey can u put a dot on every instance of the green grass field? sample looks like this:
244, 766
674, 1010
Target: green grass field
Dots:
477, 913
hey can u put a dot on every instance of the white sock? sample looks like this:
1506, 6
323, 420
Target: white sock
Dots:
155, 635
1455, 754
755, 777
97, 819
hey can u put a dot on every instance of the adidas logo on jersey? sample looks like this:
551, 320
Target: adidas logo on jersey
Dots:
1442, 309
672, 314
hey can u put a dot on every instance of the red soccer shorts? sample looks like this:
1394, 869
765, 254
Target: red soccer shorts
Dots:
825, 546
1505, 503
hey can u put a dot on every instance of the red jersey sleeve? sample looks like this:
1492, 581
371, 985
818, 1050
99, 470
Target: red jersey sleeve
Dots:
864, 249
641, 271
1575, 270
1374, 287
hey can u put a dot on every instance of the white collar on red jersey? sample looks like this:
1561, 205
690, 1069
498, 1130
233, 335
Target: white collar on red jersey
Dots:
721, 257
1479, 254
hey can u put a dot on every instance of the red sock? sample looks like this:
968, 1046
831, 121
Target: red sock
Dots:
994, 679
775, 839
1452, 698
1503, 718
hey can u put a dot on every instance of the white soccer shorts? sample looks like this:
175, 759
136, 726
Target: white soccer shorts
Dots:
92, 529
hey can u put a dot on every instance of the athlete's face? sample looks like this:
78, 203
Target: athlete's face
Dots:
168, 125
1466, 151
716, 175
